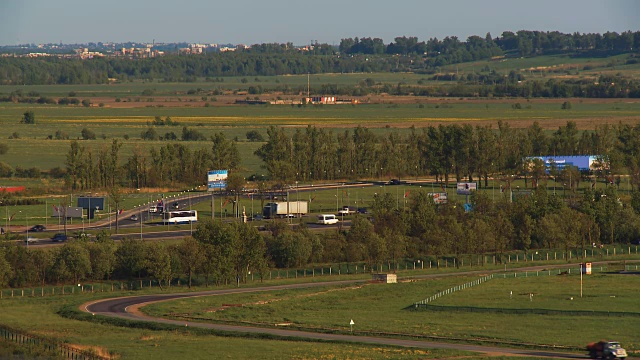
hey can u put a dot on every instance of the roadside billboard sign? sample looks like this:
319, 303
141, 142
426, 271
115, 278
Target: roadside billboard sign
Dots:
439, 198
88, 202
70, 212
217, 179
465, 188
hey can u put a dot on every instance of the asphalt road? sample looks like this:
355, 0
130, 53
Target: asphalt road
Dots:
126, 307
141, 218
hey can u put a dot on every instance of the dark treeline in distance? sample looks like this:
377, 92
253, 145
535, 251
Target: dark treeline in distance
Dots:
404, 54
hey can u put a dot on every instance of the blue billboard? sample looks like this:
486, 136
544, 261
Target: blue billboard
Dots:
582, 162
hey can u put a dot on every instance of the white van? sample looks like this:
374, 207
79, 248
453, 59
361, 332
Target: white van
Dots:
327, 219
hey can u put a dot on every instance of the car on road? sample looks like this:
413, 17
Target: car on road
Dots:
31, 240
134, 218
59, 237
38, 228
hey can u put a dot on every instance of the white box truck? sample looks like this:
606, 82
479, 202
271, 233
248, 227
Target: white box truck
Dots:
284, 209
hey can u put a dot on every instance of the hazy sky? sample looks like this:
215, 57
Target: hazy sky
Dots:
264, 21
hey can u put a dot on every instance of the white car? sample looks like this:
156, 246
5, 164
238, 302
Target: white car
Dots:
31, 240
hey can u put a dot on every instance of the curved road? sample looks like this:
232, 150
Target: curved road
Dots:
126, 307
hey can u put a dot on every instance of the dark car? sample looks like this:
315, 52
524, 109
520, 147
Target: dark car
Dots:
38, 228
59, 237
176, 205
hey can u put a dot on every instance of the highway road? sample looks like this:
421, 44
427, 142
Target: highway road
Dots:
128, 308
141, 219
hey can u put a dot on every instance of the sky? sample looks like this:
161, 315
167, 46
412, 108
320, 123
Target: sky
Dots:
300, 22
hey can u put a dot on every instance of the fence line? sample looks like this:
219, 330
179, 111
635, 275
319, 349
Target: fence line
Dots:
335, 269
484, 279
25, 339
454, 289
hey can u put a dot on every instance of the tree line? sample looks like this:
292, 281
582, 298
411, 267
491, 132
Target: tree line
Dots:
463, 152
447, 152
352, 55
460, 152
223, 253
170, 165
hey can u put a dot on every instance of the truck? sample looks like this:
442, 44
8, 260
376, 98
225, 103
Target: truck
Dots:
284, 209
347, 210
606, 350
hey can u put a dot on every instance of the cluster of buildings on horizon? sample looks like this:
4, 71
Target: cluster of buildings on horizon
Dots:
126, 50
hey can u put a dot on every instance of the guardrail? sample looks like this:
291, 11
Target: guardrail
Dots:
24, 339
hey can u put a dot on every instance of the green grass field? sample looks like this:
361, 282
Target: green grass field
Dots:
381, 308
32, 148
38, 316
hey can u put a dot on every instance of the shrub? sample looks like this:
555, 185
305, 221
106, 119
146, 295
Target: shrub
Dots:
5, 170
170, 136
60, 135
88, 134
254, 135
57, 172
28, 118
192, 135
149, 134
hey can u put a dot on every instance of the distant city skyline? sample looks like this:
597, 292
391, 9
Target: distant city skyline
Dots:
280, 21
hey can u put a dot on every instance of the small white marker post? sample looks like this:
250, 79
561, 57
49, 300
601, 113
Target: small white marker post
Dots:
351, 323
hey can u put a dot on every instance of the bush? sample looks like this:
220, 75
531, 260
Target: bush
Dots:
61, 135
192, 135
31, 173
88, 134
86, 103
68, 101
254, 135
57, 173
5, 170
28, 118
566, 105
149, 134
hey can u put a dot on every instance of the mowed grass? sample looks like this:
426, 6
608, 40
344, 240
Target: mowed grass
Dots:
38, 316
382, 308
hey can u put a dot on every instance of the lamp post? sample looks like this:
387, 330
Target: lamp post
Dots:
25, 216
298, 199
